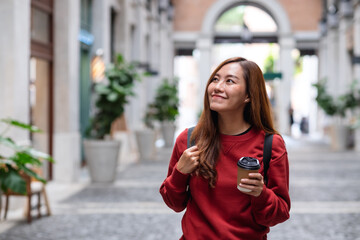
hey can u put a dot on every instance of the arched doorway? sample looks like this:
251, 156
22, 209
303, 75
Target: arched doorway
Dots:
283, 37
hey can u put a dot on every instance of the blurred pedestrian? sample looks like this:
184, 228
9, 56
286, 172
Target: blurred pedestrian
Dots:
304, 125
203, 178
291, 116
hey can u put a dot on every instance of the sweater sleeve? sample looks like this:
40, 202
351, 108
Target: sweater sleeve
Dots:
173, 189
273, 204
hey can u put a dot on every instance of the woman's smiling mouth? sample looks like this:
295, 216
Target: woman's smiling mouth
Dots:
217, 96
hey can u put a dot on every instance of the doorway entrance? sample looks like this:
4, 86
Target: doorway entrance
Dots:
41, 78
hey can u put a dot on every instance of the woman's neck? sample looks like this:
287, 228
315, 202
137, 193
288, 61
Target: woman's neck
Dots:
232, 125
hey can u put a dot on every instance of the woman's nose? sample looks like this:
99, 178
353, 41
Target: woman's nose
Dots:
219, 86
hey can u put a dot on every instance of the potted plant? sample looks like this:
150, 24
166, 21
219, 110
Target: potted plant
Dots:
20, 160
101, 151
166, 109
146, 137
337, 108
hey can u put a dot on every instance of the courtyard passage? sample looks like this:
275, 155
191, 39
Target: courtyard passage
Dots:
324, 187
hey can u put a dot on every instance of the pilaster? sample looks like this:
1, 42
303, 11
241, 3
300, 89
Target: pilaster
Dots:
204, 44
101, 27
14, 63
344, 60
356, 72
283, 89
333, 61
66, 88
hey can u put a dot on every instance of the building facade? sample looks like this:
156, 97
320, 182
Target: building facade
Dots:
47, 47
339, 55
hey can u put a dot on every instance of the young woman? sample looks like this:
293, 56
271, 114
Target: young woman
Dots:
233, 124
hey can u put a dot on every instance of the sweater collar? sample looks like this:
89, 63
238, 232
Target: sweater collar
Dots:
240, 138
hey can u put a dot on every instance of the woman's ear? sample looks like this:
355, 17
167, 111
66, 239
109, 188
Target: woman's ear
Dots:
247, 100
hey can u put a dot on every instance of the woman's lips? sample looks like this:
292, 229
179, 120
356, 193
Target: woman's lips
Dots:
217, 96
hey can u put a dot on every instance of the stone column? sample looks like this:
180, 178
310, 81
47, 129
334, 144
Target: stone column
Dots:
203, 44
14, 69
344, 68
171, 50
164, 47
322, 74
337, 134
344, 62
323, 57
67, 138
154, 45
283, 90
357, 66
333, 61
143, 31
14, 62
134, 111
154, 53
101, 28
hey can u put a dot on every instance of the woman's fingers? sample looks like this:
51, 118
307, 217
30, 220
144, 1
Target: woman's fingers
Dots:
189, 160
254, 183
256, 176
193, 148
193, 151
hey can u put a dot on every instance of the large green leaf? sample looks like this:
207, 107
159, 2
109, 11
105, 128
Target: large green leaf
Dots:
21, 125
118, 88
8, 142
112, 97
31, 173
12, 180
38, 154
22, 158
102, 89
119, 59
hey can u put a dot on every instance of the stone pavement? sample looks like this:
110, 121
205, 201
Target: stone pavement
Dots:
323, 186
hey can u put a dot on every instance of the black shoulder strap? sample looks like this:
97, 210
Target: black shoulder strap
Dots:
189, 143
267, 154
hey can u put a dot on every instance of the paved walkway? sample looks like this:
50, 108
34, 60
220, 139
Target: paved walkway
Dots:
323, 187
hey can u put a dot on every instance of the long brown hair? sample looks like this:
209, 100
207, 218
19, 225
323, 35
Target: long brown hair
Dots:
257, 113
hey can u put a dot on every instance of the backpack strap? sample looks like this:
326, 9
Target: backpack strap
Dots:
189, 143
267, 154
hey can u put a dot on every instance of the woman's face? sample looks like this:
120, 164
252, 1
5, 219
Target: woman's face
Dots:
227, 90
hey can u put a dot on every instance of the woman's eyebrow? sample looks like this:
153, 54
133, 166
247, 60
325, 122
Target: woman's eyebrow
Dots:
229, 75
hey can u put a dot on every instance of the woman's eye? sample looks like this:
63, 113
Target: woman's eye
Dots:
214, 79
230, 81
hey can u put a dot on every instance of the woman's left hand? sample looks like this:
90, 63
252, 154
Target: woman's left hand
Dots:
255, 183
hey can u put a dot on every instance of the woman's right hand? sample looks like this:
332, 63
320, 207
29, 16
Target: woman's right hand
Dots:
189, 160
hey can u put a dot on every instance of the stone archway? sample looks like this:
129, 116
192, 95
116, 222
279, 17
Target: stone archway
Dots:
286, 43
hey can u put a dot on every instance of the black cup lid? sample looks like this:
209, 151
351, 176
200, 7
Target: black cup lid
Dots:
249, 163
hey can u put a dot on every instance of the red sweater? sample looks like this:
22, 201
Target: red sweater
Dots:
225, 212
